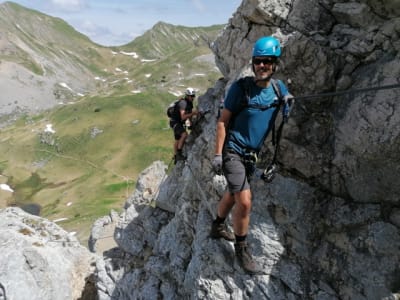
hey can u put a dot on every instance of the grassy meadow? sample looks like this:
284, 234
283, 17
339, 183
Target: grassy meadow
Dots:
75, 173
102, 141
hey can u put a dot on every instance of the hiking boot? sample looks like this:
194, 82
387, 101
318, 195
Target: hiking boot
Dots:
221, 231
245, 259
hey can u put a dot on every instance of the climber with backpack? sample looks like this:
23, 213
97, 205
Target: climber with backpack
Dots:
250, 110
180, 113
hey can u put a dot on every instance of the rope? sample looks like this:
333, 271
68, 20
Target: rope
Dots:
353, 91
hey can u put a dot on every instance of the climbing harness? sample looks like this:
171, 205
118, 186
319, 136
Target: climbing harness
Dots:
249, 160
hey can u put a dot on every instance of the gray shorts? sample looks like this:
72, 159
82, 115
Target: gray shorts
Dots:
178, 128
235, 172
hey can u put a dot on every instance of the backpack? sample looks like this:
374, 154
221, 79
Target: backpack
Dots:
172, 109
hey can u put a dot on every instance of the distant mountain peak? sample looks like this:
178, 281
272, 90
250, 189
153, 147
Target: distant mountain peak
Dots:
38, 52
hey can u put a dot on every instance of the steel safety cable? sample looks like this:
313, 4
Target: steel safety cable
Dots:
351, 91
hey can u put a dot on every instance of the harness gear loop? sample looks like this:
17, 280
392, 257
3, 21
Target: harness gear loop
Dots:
249, 160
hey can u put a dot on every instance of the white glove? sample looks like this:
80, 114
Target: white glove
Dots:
217, 164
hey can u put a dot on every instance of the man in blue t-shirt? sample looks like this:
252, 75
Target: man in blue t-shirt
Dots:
241, 131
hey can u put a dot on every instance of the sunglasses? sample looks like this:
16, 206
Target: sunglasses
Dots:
265, 60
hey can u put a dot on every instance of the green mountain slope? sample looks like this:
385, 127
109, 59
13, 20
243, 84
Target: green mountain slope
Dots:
42, 42
165, 40
44, 34
75, 162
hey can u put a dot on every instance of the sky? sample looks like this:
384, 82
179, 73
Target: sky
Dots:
114, 23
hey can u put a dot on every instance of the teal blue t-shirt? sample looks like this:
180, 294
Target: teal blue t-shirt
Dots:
250, 125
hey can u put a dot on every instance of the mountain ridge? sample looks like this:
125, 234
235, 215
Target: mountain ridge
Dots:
55, 52
42, 58
162, 33
75, 114
327, 226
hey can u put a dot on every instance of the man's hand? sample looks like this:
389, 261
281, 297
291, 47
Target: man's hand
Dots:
217, 164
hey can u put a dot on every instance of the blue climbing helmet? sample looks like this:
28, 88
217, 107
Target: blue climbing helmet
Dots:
267, 46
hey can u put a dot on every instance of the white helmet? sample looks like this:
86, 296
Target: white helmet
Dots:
190, 92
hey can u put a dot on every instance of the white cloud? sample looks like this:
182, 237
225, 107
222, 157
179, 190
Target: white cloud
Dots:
112, 23
69, 5
103, 34
199, 5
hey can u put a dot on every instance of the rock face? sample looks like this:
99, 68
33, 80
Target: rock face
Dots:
328, 226
39, 260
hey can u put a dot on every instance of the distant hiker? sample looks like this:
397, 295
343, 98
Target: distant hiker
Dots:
249, 112
181, 115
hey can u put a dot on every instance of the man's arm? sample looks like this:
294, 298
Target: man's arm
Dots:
222, 125
185, 116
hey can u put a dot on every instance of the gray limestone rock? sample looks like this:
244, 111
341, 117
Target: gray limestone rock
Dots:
40, 260
327, 227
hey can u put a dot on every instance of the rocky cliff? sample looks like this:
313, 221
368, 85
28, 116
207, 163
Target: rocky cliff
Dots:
328, 226
39, 260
